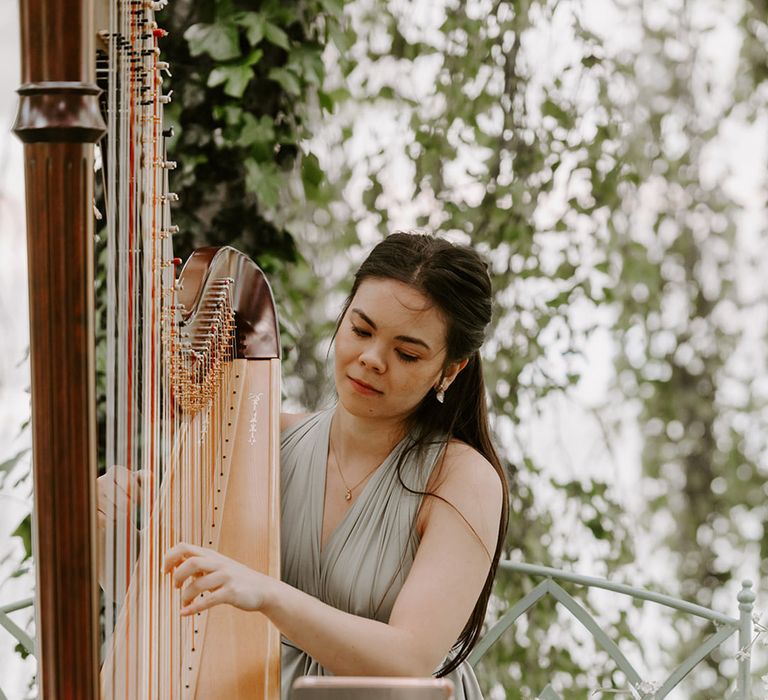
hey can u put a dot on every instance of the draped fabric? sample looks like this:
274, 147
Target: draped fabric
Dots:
368, 556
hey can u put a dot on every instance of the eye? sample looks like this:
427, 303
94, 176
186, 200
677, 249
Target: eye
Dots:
360, 331
405, 357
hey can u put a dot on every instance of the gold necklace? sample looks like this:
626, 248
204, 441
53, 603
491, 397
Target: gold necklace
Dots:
349, 489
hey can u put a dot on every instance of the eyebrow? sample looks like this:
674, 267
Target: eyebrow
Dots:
404, 338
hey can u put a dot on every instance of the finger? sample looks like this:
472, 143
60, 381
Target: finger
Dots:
144, 478
204, 602
144, 483
119, 475
194, 566
112, 495
182, 551
109, 505
122, 487
203, 584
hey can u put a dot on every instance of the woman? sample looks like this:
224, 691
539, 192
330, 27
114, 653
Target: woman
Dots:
394, 502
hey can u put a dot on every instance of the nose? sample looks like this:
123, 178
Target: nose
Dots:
372, 357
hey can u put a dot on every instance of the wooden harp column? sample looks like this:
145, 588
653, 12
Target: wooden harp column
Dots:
59, 121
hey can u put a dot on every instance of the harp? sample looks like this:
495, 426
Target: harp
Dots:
210, 442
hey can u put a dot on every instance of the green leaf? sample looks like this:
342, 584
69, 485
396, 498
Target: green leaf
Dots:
288, 81
559, 299
254, 24
24, 531
325, 100
342, 39
253, 131
10, 463
551, 109
21, 571
339, 95
275, 35
219, 41
590, 61
263, 180
565, 270
229, 113
253, 58
335, 8
308, 64
235, 79
311, 172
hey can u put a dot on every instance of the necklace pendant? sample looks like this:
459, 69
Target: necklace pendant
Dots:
348, 495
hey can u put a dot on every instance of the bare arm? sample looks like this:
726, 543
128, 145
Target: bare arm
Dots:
432, 608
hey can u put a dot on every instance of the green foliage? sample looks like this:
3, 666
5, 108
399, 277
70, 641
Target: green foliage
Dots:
246, 76
15, 478
7, 466
24, 532
243, 75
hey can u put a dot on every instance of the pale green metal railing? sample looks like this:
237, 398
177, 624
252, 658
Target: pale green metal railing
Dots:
19, 634
725, 626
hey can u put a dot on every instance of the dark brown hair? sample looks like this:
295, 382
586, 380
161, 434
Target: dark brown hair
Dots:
455, 278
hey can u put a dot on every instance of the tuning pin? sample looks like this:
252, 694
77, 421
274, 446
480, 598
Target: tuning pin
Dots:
165, 99
164, 66
168, 232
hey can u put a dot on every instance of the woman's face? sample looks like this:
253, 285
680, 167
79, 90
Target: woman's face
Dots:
390, 350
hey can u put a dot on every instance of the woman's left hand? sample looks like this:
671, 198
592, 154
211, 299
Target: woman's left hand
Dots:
213, 579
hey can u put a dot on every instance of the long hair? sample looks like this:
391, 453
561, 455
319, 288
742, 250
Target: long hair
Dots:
455, 278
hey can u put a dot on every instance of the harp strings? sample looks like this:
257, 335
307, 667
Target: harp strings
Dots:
168, 388
163, 392
166, 377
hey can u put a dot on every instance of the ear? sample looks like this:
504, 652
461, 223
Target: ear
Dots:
451, 372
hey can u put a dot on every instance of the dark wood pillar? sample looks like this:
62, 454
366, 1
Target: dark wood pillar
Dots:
58, 121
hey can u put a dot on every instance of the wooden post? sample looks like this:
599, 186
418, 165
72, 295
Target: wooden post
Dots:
59, 121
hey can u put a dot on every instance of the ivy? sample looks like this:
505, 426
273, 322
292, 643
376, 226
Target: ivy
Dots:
219, 41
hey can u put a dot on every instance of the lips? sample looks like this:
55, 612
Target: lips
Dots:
363, 388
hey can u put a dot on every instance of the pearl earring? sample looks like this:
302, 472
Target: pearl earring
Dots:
440, 393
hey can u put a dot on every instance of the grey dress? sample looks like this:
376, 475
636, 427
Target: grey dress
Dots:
367, 557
